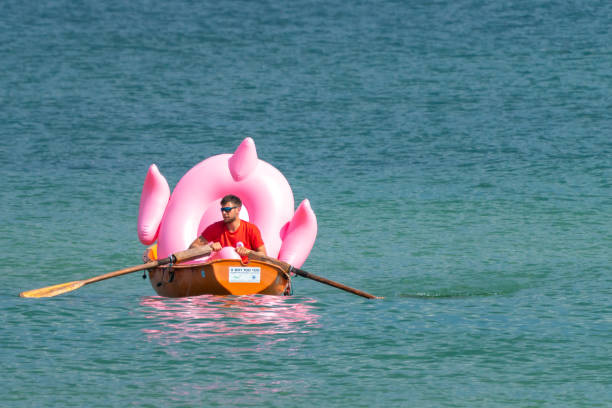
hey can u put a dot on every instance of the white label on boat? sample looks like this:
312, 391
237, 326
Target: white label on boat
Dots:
244, 274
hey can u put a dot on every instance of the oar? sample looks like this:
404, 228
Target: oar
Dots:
288, 268
178, 257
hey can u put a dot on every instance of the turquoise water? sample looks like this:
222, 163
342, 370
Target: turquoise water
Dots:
457, 155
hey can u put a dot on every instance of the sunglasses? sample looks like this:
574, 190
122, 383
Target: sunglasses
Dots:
227, 209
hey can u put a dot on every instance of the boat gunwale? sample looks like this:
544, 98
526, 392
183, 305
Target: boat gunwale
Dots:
211, 262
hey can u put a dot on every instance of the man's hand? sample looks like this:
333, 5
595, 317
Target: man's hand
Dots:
200, 241
215, 246
242, 251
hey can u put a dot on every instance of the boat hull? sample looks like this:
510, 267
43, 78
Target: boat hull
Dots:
219, 277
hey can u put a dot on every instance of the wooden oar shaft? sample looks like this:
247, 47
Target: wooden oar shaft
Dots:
332, 283
288, 268
177, 257
148, 265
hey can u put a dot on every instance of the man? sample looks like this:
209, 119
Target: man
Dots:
232, 231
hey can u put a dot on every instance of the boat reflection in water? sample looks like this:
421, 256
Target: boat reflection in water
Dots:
184, 319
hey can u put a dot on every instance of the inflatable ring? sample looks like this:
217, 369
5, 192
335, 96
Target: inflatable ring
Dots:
176, 220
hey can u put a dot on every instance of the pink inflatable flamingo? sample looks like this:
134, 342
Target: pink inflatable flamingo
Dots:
176, 220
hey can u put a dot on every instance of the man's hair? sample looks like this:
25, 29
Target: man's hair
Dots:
230, 198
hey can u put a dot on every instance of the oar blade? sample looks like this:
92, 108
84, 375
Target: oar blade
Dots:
54, 290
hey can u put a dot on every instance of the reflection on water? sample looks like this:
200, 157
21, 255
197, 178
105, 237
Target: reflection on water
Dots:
199, 317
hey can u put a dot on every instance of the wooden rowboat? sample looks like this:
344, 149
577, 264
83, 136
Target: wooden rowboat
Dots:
220, 277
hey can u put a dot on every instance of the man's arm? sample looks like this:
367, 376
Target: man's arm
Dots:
261, 250
198, 242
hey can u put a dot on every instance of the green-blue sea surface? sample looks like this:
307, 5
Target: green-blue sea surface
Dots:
457, 154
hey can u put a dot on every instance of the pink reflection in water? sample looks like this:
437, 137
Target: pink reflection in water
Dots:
205, 316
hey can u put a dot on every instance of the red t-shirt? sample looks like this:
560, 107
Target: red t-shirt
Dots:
246, 233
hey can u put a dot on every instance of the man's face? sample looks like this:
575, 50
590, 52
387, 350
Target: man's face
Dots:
230, 211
